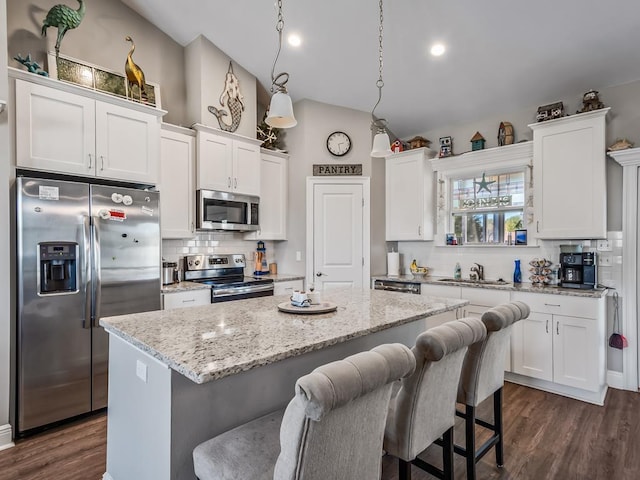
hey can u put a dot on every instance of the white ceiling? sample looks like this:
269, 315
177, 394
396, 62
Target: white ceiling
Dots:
503, 55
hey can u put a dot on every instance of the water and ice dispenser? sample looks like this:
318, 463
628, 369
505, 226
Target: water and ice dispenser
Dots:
58, 267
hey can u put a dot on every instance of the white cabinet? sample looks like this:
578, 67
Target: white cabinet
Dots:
287, 287
569, 162
177, 172
274, 172
65, 129
189, 298
227, 162
409, 195
562, 341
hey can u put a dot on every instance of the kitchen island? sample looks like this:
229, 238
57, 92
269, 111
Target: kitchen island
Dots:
179, 377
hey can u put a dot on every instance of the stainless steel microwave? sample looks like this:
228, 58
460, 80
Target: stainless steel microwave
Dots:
226, 211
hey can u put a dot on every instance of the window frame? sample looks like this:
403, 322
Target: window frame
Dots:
508, 158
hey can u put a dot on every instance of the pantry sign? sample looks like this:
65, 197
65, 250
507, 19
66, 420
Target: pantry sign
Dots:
333, 169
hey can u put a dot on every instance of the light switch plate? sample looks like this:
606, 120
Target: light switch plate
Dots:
141, 371
604, 246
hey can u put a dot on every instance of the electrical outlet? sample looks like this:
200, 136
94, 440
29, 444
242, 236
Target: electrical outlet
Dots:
141, 371
298, 256
604, 246
604, 260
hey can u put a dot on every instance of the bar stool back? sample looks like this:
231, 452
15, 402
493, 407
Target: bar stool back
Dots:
483, 376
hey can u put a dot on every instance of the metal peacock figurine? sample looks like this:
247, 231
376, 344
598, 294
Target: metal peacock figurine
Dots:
135, 75
64, 18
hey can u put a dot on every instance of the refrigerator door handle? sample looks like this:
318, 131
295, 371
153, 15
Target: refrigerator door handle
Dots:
86, 269
97, 278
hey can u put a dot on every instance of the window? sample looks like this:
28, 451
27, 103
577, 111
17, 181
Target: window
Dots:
487, 209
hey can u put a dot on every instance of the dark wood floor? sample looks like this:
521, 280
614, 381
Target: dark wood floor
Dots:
547, 437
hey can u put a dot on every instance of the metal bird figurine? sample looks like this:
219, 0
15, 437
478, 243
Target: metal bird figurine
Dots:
135, 75
64, 18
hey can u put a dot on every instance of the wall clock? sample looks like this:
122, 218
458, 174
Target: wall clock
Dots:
338, 144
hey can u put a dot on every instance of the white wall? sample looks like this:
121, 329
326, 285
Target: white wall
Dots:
307, 146
207, 66
100, 40
5, 275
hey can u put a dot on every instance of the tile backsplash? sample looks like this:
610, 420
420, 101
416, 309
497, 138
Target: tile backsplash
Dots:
216, 242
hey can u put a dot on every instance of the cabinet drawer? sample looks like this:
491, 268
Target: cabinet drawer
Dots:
563, 305
484, 296
440, 290
190, 298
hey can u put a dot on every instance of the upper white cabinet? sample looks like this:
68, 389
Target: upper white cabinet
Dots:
227, 162
67, 129
570, 199
409, 195
177, 172
273, 196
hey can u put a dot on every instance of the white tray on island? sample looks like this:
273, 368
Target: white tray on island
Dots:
322, 307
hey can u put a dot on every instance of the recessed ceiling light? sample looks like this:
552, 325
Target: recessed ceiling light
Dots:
295, 40
437, 49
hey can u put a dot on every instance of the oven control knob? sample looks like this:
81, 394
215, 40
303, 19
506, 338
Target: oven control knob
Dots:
197, 262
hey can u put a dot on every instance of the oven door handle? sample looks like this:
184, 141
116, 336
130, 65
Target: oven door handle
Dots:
228, 292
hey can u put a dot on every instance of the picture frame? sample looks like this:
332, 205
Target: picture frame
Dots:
71, 70
521, 237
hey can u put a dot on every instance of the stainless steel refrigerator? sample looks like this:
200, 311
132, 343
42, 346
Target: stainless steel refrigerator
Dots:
84, 252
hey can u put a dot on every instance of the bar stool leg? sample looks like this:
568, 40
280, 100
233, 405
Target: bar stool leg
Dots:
447, 454
497, 421
470, 441
404, 470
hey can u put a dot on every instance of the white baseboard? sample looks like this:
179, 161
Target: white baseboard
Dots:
5, 437
615, 379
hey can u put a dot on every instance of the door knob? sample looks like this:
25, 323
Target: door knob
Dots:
319, 274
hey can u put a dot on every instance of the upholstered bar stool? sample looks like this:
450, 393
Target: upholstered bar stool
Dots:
483, 376
332, 429
424, 408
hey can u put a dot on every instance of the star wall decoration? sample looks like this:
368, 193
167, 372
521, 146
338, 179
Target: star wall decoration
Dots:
483, 184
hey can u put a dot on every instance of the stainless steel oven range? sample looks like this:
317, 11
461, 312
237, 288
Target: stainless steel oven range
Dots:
225, 275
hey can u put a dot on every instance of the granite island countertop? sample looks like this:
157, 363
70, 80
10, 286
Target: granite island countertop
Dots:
521, 287
217, 340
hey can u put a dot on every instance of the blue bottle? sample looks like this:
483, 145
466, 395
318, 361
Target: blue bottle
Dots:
517, 274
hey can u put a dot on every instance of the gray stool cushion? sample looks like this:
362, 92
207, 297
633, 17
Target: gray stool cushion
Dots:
424, 407
332, 428
483, 368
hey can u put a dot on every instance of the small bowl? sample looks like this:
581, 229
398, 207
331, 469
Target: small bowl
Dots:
420, 276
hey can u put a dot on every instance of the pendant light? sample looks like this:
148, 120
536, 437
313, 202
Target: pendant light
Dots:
280, 113
381, 142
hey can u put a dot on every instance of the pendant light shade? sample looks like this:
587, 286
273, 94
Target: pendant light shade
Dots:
381, 145
280, 114
281, 111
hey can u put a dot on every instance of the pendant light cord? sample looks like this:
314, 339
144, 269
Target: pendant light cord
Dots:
379, 123
279, 81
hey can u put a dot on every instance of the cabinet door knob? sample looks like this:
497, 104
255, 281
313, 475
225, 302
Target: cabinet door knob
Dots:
90, 162
229, 182
235, 182
547, 326
557, 328
101, 162
419, 230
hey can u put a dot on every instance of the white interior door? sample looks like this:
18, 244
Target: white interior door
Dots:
339, 235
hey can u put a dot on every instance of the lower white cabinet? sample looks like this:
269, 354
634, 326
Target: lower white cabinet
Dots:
177, 178
562, 341
189, 298
283, 288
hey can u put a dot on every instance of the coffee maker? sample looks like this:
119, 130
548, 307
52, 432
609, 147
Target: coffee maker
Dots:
579, 270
